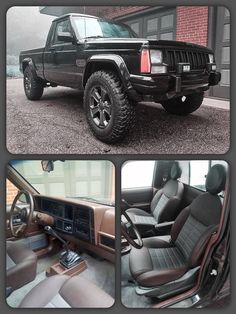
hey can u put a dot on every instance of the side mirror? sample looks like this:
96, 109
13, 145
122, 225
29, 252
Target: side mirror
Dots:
65, 36
47, 165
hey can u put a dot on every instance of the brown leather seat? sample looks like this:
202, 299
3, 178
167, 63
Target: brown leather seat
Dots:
165, 259
164, 206
61, 291
21, 264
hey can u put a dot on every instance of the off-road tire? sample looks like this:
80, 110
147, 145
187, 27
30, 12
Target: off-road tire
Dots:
33, 86
122, 111
179, 107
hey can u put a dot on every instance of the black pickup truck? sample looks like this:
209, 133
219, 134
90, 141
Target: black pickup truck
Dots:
116, 69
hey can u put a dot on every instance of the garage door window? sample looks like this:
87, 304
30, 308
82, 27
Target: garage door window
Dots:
135, 27
167, 21
152, 25
159, 25
137, 174
167, 36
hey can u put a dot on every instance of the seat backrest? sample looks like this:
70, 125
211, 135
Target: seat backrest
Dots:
197, 222
166, 201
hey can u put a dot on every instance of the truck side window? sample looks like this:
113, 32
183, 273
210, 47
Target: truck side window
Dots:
62, 26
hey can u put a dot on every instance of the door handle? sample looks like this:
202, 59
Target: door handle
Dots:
52, 49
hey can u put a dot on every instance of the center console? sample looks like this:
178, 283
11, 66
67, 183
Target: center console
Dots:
84, 224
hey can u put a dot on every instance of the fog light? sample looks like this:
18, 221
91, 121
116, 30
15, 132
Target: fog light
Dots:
211, 67
186, 68
183, 67
159, 69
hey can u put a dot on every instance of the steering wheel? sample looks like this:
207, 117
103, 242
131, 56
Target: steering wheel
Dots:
21, 209
127, 229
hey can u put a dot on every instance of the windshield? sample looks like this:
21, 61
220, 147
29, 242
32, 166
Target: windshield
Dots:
91, 27
84, 179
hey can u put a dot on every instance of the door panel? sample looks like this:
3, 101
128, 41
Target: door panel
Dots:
139, 197
60, 58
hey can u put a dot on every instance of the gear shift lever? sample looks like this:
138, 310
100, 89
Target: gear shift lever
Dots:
68, 258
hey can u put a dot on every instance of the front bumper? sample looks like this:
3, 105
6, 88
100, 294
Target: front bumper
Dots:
166, 86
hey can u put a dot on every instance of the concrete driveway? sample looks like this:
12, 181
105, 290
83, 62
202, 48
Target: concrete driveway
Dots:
57, 124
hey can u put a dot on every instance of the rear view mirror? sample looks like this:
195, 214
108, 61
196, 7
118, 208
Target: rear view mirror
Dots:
65, 37
47, 165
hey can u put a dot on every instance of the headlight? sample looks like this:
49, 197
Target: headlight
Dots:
156, 56
211, 58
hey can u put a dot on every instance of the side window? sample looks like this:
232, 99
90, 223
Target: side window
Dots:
11, 191
184, 165
198, 172
194, 171
62, 26
137, 174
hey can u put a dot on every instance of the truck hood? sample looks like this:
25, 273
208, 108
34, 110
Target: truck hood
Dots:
152, 43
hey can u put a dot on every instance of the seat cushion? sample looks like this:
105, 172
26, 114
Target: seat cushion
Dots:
157, 263
61, 291
139, 216
144, 221
21, 264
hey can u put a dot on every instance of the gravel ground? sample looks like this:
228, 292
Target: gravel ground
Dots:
56, 124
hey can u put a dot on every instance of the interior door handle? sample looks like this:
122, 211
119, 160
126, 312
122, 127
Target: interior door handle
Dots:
52, 49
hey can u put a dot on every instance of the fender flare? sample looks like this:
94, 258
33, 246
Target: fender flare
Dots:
29, 62
115, 60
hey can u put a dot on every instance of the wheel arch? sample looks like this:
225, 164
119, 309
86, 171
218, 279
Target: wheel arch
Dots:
108, 62
28, 62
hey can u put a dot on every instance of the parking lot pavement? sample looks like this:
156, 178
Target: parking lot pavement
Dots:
57, 124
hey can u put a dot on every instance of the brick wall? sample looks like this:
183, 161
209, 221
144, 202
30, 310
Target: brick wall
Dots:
11, 191
192, 24
111, 11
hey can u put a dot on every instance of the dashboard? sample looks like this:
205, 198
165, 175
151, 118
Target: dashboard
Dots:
69, 218
83, 220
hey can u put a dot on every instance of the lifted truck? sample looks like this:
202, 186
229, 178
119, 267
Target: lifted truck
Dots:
115, 69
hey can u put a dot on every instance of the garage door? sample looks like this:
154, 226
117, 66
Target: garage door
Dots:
154, 25
222, 52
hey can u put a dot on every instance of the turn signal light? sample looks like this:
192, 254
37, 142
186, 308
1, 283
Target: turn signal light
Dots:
145, 61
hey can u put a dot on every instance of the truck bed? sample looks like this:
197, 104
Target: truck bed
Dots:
37, 57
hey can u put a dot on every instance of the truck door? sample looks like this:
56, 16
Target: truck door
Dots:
60, 56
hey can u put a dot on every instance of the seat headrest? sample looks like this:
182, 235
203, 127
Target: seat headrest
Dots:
175, 171
215, 179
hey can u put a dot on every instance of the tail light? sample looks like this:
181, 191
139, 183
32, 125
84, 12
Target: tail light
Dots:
145, 61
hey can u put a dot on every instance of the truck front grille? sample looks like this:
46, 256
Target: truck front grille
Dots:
197, 60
